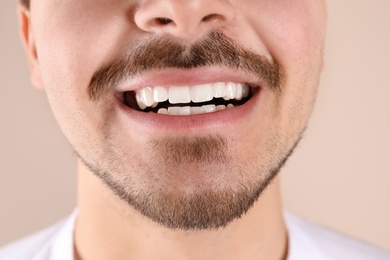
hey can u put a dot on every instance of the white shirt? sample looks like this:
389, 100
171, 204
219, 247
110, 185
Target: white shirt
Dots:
307, 241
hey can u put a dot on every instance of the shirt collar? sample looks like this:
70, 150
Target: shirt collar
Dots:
62, 246
301, 247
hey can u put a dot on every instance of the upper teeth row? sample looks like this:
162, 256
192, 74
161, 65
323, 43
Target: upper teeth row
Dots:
151, 96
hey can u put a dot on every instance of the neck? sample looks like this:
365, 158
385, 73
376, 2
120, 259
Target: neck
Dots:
107, 228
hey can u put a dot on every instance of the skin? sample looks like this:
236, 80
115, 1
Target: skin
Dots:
68, 41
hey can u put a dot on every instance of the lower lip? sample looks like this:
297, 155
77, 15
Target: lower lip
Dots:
213, 120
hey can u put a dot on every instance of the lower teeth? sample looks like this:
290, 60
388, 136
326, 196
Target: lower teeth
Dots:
188, 110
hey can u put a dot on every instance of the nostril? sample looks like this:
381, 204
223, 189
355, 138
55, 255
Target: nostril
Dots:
211, 17
163, 21
182, 18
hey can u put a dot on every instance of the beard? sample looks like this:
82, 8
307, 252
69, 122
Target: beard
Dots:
187, 183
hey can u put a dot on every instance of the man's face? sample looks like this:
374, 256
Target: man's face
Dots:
101, 62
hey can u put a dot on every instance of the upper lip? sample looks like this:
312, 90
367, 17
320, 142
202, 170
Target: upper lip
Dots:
187, 77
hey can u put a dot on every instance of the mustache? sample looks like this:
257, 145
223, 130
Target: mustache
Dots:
215, 49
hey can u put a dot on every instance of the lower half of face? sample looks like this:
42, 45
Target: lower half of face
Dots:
185, 169
195, 177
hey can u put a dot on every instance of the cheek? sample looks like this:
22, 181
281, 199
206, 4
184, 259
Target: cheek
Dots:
76, 38
293, 32
72, 45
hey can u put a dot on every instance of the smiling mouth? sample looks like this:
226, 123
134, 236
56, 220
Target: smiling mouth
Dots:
189, 100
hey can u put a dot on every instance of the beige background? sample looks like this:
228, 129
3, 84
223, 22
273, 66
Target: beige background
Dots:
339, 175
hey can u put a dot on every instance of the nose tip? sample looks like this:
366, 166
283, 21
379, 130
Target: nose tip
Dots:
183, 18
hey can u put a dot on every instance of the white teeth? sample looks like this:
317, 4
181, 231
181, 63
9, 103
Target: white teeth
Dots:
147, 96
219, 89
196, 110
160, 94
174, 111
179, 111
238, 95
187, 110
221, 107
231, 90
209, 108
140, 101
179, 95
245, 90
201, 93
163, 111
151, 96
